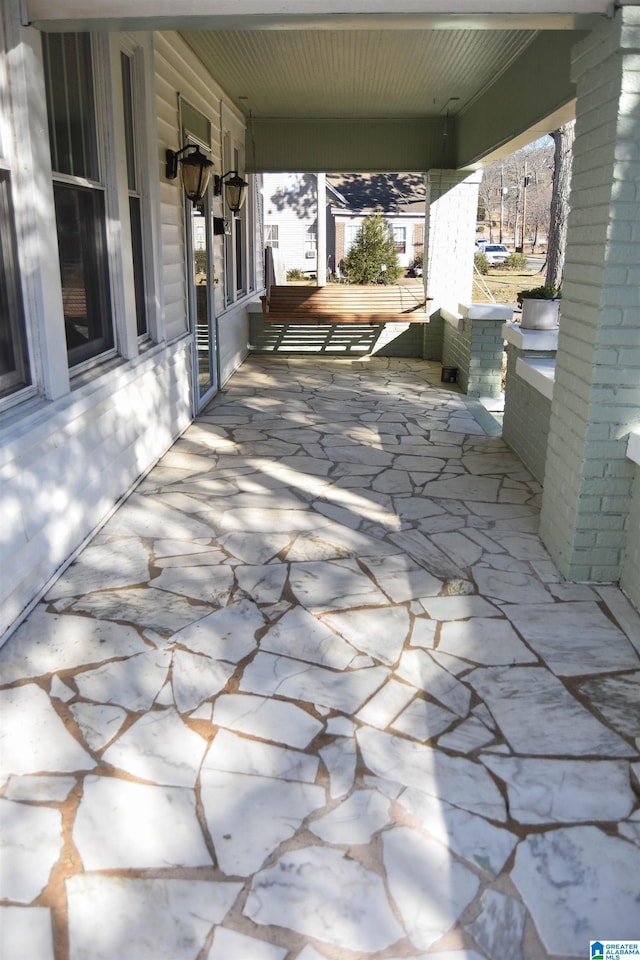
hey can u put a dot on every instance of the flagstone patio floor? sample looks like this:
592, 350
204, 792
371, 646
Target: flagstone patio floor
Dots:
316, 690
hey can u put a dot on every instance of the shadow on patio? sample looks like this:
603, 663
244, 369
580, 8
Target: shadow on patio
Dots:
317, 691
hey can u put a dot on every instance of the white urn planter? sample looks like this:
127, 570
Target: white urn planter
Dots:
539, 314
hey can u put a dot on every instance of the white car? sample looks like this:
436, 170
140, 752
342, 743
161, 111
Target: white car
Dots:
495, 253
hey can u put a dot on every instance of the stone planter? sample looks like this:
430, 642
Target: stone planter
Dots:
539, 314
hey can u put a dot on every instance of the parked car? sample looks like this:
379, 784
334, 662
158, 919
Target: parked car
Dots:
480, 243
495, 253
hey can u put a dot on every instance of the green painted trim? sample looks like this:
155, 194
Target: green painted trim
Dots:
360, 146
535, 87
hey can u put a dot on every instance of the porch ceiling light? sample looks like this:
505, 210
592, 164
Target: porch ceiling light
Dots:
195, 170
234, 189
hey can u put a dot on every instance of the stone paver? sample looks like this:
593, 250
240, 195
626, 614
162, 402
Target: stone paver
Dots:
317, 692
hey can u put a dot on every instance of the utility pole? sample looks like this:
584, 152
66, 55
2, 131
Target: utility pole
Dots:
525, 184
503, 192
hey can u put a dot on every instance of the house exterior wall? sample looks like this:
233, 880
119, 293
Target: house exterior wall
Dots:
75, 440
63, 472
346, 226
179, 74
170, 60
596, 400
290, 205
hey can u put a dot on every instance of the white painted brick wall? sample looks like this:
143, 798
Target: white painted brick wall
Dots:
597, 393
452, 206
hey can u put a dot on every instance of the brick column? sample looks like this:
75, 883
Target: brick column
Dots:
474, 346
450, 229
596, 399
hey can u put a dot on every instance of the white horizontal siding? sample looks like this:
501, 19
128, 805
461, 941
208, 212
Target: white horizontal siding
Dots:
292, 244
171, 205
63, 472
178, 72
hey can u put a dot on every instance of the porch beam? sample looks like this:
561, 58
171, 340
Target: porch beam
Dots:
304, 14
360, 146
526, 102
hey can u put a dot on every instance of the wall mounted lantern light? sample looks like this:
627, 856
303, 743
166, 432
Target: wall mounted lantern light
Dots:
234, 189
195, 169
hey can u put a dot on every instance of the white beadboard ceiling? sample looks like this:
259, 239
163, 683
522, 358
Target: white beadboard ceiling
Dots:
346, 74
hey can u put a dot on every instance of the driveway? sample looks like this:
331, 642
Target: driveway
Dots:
316, 690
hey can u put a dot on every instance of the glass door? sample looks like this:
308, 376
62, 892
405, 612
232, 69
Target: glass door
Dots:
196, 130
202, 309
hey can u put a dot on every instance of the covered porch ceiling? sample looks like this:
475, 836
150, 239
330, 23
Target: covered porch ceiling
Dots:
375, 87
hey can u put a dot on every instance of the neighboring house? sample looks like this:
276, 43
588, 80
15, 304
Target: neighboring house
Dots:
290, 219
291, 212
401, 198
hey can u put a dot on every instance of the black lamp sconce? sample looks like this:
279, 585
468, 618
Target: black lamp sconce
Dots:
234, 189
195, 169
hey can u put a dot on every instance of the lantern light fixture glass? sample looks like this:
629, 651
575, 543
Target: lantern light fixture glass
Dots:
195, 170
234, 189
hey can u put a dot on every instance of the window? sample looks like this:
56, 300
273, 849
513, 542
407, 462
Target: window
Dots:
14, 372
310, 241
351, 231
271, 235
78, 194
133, 178
240, 247
400, 239
237, 256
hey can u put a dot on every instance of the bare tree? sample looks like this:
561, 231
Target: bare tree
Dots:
563, 139
489, 197
502, 202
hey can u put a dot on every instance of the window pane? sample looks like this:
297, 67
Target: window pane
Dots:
138, 264
400, 239
70, 104
14, 373
135, 204
271, 235
129, 135
239, 229
80, 219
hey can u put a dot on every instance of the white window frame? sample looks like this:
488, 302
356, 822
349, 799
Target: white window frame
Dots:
15, 383
135, 191
397, 231
272, 235
139, 48
103, 185
311, 241
13, 92
242, 225
351, 230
